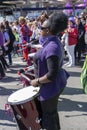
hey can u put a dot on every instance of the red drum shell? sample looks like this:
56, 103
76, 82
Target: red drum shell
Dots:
25, 111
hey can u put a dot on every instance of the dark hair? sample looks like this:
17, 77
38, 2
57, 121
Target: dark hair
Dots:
2, 26
6, 23
57, 23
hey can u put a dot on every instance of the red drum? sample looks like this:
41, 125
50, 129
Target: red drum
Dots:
24, 106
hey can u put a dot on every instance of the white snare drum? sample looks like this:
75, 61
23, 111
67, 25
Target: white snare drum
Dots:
23, 104
36, 46
31, 55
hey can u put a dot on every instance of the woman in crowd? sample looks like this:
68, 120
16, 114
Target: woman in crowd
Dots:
2, 72
24, 33
48, 69
16, 42
7, 45
81, 40
72, 41
35, 31
3, 63
9, 40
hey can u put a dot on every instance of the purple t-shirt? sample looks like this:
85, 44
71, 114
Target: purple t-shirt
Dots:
51, 47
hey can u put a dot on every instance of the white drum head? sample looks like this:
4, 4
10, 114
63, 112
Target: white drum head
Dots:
23, 95
31, 55
37, 46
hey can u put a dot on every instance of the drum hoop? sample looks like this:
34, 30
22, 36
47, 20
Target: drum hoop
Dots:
31, 54
16, 102
23, 101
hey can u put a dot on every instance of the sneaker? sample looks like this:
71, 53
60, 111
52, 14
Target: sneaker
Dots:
69, 65
66, 64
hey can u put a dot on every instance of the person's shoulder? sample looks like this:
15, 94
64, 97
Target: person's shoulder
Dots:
52, 45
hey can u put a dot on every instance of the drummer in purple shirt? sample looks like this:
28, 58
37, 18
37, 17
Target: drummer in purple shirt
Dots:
50, 76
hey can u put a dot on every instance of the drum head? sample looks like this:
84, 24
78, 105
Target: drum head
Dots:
37, 46
23, 95
31, 55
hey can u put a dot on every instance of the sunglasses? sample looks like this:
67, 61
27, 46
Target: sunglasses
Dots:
42, 28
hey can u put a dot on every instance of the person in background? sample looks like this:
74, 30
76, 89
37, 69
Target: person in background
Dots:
16, 25
24, 32
80, 47
71, 38
64, 41
6, 44
35, 31
9, 40
83, 18
16, 42
50, 75
86, 35
44, 17
2, 67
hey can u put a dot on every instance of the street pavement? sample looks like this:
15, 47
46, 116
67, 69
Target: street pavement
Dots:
72, 106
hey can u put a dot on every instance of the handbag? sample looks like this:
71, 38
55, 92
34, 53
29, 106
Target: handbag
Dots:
83, 76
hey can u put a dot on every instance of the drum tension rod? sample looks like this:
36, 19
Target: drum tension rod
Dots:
18, 116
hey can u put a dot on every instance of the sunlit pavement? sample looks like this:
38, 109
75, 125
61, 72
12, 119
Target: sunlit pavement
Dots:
72, 105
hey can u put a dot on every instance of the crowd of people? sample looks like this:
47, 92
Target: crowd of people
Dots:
74, 39
13, 35
57, 34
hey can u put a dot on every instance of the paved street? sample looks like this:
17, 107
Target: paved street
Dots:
72, 105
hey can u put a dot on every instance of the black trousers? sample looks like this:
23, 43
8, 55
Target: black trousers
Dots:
77, 51
4, 62
50, 117
2, 73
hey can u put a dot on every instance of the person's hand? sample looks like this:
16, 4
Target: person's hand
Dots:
34, 83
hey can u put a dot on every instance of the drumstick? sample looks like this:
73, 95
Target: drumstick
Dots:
30, 43
29, 68
31, 74
25, 77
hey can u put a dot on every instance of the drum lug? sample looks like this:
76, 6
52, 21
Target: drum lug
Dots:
42, 129
18, 116
38, 120
22, 106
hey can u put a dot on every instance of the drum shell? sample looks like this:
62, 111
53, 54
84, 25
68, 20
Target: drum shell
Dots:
26, 107
27, 115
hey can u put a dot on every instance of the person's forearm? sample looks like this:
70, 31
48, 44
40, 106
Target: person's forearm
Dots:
39, 81
44, 79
